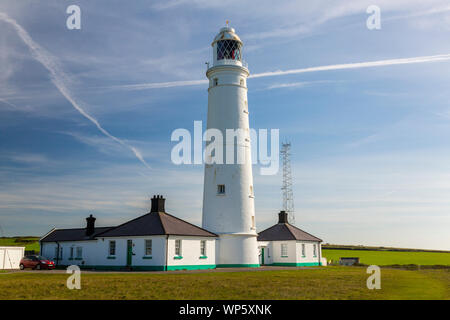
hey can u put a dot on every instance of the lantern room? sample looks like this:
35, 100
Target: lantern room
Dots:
227, 48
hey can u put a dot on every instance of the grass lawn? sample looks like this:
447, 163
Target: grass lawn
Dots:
314, 283
381, 258
30, 243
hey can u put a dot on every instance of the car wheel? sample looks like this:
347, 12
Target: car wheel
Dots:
21, 267
38, 267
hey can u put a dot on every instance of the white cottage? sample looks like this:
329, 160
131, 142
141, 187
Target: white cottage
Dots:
286, 245
154, 241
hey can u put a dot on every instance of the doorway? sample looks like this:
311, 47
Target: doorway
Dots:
129, 253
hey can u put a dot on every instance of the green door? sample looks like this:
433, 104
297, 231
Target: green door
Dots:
262, 256
129, 252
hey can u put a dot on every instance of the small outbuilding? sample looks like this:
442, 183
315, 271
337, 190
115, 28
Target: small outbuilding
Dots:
154, 241
286, 245
10, 257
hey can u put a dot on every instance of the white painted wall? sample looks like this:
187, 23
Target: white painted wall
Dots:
96, 252
272, 252
190, 251
10, 257
309, 254
230, 215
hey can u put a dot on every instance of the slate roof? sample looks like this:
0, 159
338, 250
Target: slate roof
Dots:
78, 234
157, 223
285, 231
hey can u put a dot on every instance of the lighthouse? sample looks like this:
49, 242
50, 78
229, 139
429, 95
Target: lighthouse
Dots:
228, 199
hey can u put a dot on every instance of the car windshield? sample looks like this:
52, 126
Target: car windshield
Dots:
41, 258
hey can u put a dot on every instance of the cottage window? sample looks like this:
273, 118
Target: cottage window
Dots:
203, 248
178, 247
303, 250
71, 252
112, 248
220, 189
60, 253
56, 253
284, 250
148, 247
79, 252
315, 250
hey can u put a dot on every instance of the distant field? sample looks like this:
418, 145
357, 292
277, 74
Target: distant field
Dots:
390, 257
30, 243
313, 283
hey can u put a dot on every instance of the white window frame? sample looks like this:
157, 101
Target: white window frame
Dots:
79, 253
178, 247
148, 248
303, 250
315, 250
284, 250
111, 242
203, 248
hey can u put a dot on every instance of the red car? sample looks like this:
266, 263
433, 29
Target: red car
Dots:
36, 262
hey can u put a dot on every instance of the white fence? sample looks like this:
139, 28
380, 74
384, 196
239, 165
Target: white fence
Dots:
10, 257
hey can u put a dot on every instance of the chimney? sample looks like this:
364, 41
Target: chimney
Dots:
90, 227
158, 204
283, 217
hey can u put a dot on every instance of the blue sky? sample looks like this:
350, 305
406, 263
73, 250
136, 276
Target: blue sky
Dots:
371, 156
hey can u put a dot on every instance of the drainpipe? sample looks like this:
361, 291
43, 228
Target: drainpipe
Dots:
320, 250
57, 253
167, 252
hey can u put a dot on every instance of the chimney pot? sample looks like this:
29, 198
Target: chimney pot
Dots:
158, 203
282, 217
90, 225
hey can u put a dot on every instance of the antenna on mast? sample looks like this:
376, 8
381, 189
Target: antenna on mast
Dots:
288, 196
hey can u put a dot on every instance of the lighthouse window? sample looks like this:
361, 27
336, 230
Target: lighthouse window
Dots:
229, 49
242, 82
216, 81
221, 189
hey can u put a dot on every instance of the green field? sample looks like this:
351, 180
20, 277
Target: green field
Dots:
313, 283
30, 243
382, 258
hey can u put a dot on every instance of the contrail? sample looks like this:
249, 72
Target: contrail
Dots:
60, 80
357, 65
379, 63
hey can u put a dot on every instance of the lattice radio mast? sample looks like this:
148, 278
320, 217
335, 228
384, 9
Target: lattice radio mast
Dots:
288, 196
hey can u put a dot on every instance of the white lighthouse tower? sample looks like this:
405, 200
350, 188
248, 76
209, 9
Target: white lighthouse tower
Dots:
228, 204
